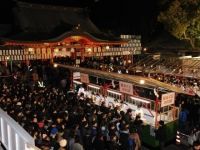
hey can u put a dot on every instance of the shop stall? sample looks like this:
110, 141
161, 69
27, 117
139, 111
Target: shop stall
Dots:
153, 110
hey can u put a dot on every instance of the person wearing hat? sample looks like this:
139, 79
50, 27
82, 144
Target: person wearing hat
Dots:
53, 131
160, 134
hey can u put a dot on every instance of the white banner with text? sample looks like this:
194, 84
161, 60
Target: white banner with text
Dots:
167, 99
126, 88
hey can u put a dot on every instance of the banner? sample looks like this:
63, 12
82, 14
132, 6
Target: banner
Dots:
167, 99
84, 78
76, 75
126, 88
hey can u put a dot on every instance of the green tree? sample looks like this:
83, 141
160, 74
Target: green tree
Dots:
182, 19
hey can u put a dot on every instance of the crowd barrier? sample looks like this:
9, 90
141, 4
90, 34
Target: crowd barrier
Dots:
13, 136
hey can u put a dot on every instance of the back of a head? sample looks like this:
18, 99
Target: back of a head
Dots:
77, 139
161, 123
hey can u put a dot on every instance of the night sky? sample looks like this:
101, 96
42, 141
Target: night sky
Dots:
118, 16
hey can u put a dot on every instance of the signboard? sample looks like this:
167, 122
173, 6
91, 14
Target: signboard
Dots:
84, 78
167, 99
76, 75
78, 61
126, 88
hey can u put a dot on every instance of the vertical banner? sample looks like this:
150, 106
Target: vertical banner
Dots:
168, 99
25, 57
19, 52
78, 61
126, 88
84, 78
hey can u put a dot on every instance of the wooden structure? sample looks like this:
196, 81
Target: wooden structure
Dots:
136, 80
55, 31
154, 110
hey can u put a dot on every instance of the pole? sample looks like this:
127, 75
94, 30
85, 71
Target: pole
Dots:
11, 65
71, 78
156, 110
156, 105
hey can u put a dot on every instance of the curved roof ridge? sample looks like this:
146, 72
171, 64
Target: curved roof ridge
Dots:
47, 6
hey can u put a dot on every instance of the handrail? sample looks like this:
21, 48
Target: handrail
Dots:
133, 79
31, 147
145, 99
13, 136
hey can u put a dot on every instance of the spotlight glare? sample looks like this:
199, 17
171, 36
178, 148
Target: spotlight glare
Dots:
142, 81
55, 65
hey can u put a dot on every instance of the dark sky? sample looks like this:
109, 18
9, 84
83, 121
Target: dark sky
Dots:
122, 16
136, 16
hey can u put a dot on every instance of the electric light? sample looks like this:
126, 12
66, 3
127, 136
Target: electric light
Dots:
142, 81
55, 65
107, 47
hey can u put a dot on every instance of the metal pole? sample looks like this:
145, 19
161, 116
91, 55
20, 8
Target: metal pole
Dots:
71, 82
11, 67
156, 110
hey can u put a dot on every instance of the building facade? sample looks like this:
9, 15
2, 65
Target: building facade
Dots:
80, 39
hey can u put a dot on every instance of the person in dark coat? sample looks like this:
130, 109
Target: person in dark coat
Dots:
98, 143
160, 134
128, 115
112, 144
138, 125
124, 135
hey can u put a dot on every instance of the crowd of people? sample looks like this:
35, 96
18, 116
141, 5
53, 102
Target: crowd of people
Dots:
189, 118
189, 104
65, 120
188, 84
61, 120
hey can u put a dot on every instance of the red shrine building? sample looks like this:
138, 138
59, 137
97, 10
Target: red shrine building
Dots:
68, 32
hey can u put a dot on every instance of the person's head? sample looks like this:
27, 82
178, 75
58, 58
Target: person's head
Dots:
54, 131
139, 106
94, 124
196, 146
161, 123
63, 143
58, 120
138, 117
126, 126
77, 139
129, 111
113, 138
112, 126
